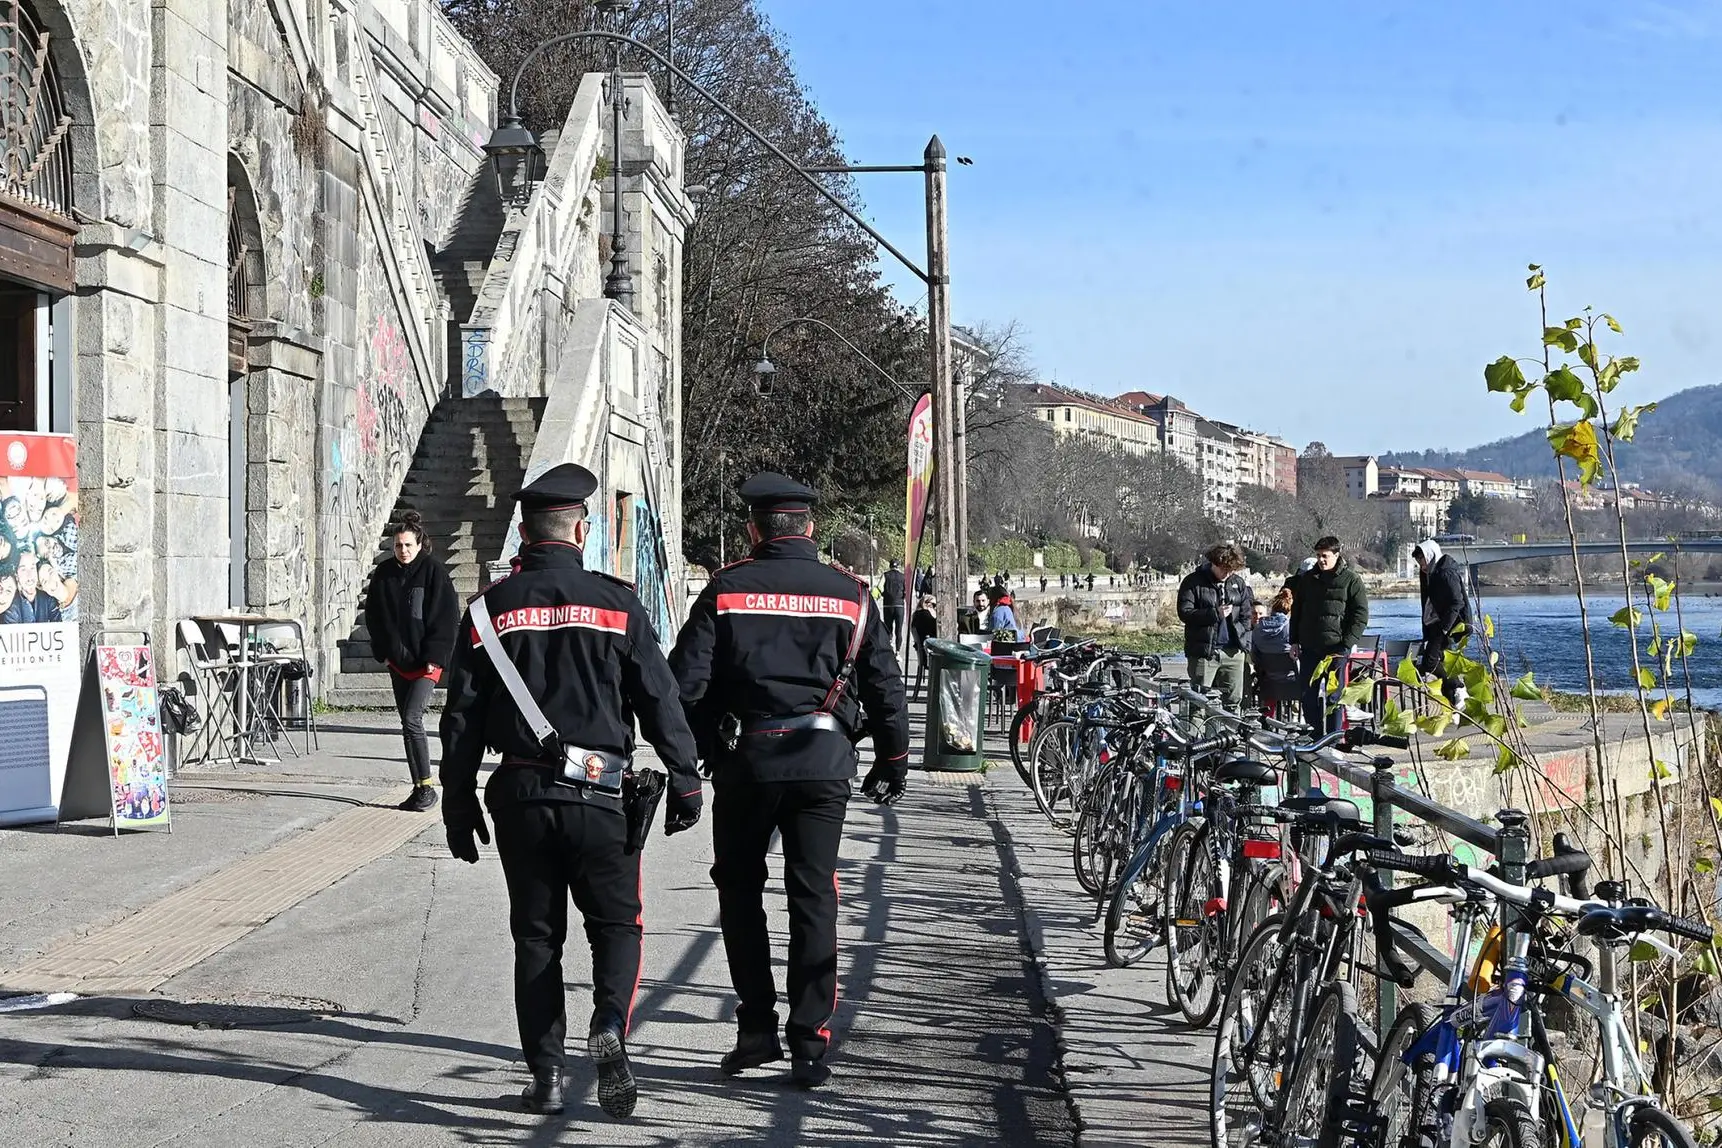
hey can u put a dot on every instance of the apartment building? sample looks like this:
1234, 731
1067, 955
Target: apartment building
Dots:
1110, 423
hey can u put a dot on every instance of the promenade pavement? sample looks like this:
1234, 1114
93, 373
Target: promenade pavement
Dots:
297, 965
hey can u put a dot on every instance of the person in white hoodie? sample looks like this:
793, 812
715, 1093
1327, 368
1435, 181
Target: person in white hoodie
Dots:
1446, 613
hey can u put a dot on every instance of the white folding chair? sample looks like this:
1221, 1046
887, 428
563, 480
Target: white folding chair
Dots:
214, 682
286, 664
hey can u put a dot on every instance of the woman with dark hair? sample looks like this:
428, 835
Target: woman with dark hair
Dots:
412, 613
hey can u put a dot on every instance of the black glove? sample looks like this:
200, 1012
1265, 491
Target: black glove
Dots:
885, 782
461, 823
682, 812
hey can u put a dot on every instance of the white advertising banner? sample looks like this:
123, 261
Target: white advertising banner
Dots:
39, 662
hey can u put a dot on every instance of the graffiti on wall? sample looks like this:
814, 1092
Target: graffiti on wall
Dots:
474, 361
648, 572
374, 415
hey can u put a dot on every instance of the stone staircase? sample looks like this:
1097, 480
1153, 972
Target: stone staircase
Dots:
471, 458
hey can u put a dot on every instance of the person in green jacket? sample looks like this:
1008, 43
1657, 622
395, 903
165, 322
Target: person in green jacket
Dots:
1330, 610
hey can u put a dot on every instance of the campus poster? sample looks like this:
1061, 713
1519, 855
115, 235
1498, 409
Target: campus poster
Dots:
131, 731
38, 621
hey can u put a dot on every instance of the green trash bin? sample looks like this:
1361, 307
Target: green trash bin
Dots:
956, 707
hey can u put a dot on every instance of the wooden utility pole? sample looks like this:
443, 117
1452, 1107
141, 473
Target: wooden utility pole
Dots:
951, 564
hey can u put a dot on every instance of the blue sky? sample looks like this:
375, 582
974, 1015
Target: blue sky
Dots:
1313, 218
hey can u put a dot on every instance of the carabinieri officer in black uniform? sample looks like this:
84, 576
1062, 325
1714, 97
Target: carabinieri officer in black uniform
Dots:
780, 657
587, 656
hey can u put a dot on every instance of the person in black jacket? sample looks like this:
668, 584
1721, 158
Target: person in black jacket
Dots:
893, 599
586, 653
1446, 612
782, 667
1215, 604
410, 612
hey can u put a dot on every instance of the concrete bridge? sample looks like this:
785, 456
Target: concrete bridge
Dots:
1475, 554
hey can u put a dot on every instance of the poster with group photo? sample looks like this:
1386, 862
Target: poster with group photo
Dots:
39, 664
131, 728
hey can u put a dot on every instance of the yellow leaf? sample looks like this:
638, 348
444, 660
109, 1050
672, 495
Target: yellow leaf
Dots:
1659, 709
1455, 750
1577, 441
1489, 625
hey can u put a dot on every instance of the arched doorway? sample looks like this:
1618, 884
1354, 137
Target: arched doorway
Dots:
36, 230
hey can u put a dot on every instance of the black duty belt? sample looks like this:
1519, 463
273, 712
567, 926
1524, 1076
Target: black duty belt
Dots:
801, 723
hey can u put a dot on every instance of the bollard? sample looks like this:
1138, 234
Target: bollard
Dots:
1381, 789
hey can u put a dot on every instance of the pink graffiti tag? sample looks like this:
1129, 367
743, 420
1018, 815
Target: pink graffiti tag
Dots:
391, 369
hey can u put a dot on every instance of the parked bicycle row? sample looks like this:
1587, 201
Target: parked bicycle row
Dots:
1197, 832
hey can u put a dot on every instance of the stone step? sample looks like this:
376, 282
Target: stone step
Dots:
370, 690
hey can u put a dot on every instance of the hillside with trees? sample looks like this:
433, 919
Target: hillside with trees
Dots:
1677, 451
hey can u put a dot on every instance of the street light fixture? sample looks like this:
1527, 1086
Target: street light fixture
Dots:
765, 368
514, 154
762, 373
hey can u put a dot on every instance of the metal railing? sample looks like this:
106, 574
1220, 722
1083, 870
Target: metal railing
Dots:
1510, 844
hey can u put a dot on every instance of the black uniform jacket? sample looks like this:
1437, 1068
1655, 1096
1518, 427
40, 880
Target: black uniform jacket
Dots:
767, 637
589, 657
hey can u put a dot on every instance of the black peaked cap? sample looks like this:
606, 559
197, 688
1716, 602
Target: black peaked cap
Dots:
770, 491
558, 488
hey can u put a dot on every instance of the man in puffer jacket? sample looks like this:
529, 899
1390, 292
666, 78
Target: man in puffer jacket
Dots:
1330, 610
1215, 604
1446, 614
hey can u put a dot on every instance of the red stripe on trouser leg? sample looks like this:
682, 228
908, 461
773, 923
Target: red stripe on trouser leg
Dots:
640, 965
824, 1029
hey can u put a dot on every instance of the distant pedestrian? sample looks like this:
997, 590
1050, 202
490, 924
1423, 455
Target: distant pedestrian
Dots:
923, 624
1061, 578
1216, 605
1446, 613
1276, 677
973, 619
411, 613
1002, 617
893, 600
1043, 583
1330, 610
1091, 582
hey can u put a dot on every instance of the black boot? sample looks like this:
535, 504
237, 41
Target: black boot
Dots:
544, 1095
808, 1073
421, 800
617, 1093
751, 1050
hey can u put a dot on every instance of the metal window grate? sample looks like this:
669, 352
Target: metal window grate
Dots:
35, 159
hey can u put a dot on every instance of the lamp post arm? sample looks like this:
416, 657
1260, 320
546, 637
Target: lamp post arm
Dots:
765, 348
617, 37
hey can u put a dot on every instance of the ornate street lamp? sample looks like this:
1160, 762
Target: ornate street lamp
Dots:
514, 154
762, 373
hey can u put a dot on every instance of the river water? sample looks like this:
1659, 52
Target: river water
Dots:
1540, 631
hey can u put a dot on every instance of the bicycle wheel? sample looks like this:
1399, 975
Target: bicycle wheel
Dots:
1245, 1077
1050, 757
1328, 1063
1507, 1123
1195, 926
1024, 714
1133, 914
1393, 1087
1653, 1128
1088, 837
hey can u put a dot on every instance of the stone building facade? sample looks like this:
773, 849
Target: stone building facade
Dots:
248, 240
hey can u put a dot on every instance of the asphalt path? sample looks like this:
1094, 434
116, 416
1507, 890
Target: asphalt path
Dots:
406, 1034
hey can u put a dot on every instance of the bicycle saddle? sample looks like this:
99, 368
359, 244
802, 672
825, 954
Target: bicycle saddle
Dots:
1246, 771
1336, 811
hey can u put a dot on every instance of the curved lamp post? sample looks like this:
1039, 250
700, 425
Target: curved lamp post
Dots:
513, 143
765, 368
